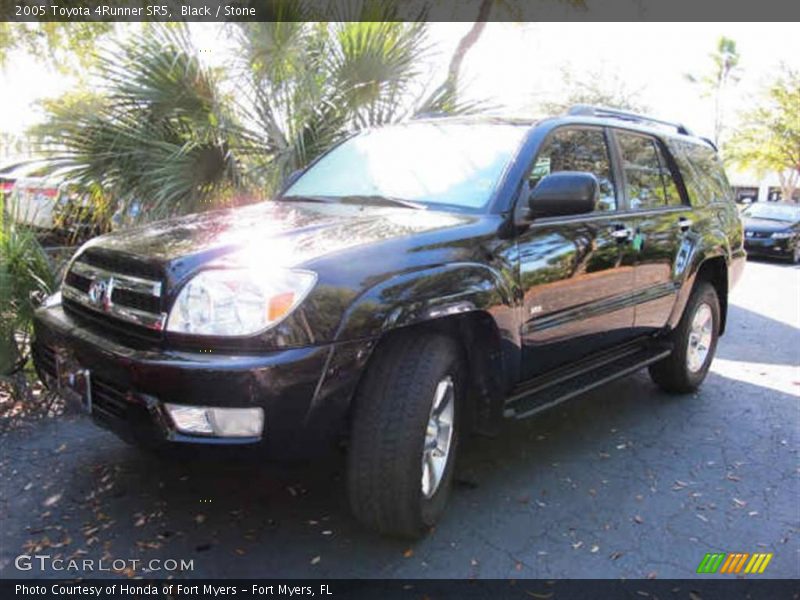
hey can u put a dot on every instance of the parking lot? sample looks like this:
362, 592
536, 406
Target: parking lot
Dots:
622, 482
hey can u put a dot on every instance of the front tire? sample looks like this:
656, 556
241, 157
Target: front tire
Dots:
694, 344
405, 434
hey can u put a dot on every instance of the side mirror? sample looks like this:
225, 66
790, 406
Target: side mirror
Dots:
564, 193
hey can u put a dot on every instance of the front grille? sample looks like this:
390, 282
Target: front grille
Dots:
150, 304
104, 324
45, 358
758, 234
120, 263
122, 293
106, 397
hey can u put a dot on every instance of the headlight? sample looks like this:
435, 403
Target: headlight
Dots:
238, 302
782, 235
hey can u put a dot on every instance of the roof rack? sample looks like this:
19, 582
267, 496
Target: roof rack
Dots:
586, 110
711, 143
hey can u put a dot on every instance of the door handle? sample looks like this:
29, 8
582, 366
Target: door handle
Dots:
684, 224
622, 234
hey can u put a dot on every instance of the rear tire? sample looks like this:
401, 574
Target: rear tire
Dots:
398, 438
694, 344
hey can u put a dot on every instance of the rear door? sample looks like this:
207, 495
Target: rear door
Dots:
576, 272
663, 225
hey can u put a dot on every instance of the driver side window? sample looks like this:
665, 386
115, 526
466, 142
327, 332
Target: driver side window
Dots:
577, 149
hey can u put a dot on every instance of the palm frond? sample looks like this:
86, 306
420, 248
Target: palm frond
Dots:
158, 130
166, 131
24, 270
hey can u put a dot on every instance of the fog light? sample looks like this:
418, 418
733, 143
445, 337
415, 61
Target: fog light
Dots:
219, 422
237, 422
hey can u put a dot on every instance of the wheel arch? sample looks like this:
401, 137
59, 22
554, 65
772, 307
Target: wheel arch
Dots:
481, 343
715, 271
712, 268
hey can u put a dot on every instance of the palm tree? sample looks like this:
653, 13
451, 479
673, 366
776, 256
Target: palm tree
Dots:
175, 135
716, 83
24, 271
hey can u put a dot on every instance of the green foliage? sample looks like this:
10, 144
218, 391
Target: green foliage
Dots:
67, 46
157, 130
716, 83
769, 138
726, 65
24, 269
167, 131
310, 85
595, 88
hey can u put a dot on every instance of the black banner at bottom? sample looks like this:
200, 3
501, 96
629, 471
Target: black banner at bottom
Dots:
417, 589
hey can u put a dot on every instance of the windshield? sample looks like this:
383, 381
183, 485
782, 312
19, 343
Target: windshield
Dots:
775, 212
429, 163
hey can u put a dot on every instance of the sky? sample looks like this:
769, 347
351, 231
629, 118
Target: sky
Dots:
517, 65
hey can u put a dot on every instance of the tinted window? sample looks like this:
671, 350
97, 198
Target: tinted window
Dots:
702, 172
432, 163
670, 184
648, 180
572, 149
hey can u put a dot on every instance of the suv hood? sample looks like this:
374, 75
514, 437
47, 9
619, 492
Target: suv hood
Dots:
283, 233
765, 225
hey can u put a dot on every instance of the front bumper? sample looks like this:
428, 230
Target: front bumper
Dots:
305, 392
769, 247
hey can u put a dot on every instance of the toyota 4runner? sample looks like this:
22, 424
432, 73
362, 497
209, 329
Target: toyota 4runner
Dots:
417, 282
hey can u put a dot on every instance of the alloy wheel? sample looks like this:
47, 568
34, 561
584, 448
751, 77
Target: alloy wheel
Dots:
700, 337
438, 436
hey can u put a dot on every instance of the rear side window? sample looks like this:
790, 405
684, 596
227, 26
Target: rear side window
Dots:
577, 149
648, 180
702, 172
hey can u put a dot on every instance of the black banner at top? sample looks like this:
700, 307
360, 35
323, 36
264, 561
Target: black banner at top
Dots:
397, 10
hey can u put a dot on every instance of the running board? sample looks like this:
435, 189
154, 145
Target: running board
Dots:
553, 388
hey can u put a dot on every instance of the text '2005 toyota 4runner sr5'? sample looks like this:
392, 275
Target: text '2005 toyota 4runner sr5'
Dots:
415, 283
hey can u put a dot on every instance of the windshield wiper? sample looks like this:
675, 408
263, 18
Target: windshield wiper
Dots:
383, 201
374, 199
320, 199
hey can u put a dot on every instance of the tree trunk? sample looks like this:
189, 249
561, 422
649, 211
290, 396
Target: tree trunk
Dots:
789, 183
466, 43
445, 96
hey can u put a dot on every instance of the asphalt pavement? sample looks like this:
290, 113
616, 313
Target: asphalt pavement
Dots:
623, 482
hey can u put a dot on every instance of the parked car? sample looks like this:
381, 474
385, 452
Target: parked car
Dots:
55, 207
6, 185
416, 283
773, 229
33, 201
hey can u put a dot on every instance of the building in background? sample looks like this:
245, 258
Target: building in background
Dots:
749, 186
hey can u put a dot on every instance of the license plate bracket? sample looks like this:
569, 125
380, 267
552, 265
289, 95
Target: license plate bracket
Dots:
74, 382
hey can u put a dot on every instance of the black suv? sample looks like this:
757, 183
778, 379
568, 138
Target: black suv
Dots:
415, 283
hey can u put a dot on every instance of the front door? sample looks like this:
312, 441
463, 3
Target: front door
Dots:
576, 272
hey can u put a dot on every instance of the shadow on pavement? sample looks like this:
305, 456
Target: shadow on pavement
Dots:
759, 339
623, 481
